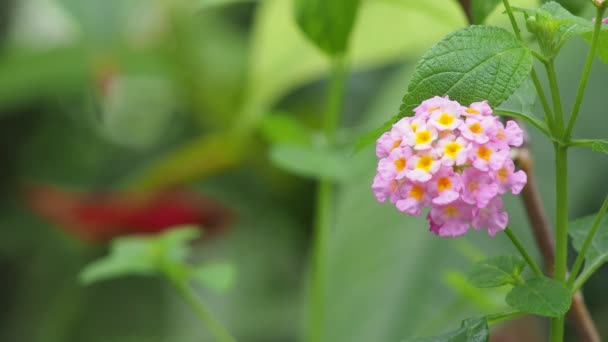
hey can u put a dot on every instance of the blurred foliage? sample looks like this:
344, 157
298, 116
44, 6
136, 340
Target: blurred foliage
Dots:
146, 94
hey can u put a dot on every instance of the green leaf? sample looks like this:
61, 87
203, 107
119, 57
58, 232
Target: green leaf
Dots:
542, 296
481, 9
597, 254
471, 330
327, 23
313, 162
285, 129
497, 271
218, 276
146, 255
600, 145
472, 64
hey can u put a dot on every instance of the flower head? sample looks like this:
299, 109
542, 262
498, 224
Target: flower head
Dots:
454, 159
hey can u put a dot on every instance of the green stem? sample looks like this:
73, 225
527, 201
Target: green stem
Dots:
220, 333
581, 255
529, 118
556, 97
496, 318
561, 234
522, 250
533, 74
586, 71
324, 200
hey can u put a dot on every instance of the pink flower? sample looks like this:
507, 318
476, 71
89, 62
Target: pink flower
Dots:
453, 151
453, 159
425, 108
450, 220
507, 179
446, 119
386, 144
479, 130
421, 167
604, 21
413, 197
491, 217
445, 186
478, 109
394, 166
424, 136
486, 157
478, 187
384, 189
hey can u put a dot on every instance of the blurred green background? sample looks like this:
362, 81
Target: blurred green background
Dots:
121, 95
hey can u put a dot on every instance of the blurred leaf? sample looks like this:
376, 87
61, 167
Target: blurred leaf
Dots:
25, 74
141, 255
370, 137
217, 276
489, 301
480, 9
285, 129
197, 159
473, 64
497, 271
471, 330
143, 102
281, 58
327, 23
597, 254
314, 162
542, 296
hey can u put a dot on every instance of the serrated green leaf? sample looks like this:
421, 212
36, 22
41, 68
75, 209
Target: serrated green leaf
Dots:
313, 162
597, 254
472, 64
141, 255
218, 276
497, 271
542, 296
471, 330
481, 9
281, 128
327, 23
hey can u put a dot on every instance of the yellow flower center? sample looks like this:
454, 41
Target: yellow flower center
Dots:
425, 163
476, 128
414, 127
472, 111
423, 137
452, 148
503, 173
450, 211
396, 144
444, 184
417, 192
400, 164
445, 119
484, 153
501, 134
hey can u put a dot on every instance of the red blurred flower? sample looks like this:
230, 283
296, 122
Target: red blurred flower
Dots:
104, 215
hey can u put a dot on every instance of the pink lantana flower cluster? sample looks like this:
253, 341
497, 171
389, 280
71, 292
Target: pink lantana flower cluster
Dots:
453, 159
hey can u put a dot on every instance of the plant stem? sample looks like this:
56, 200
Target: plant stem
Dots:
556, 97
495, 318
220, 333
581, 255
533, 74
561, 231
586, 71
523, 252
324, 201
